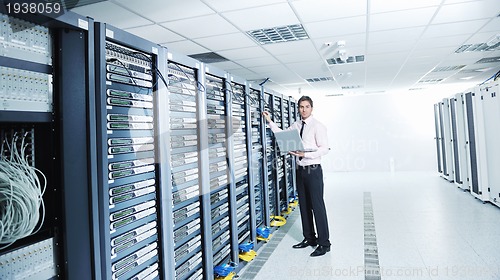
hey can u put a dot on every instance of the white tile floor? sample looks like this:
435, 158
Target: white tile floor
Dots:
426, 228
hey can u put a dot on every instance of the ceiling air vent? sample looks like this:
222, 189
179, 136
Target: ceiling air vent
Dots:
350, 59
493, 59
481, 47
209, 57
430, 81
334, 95
351, 87
448, 68
322, 79
279, 34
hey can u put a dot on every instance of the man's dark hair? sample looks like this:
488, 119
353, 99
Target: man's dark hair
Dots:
305, 98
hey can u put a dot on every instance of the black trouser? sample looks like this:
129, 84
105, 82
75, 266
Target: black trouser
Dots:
310, 190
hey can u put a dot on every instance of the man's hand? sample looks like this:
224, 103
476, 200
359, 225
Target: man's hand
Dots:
297, 153
266, 116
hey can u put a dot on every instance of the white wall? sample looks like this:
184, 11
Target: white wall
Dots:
380, 132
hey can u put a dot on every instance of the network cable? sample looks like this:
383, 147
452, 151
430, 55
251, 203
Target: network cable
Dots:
21, 194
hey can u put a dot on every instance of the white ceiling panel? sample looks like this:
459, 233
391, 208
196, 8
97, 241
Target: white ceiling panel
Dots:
382, 6
457, 28
298, 57
226, 42
310, 69
467, 11
262, 17
337, 27
161, 10
199, 27
401, 19
290, 47
120, 17
230, 5
445, 41
396, 35
387, 48
186, 47
261, 61
319, 10
492, 26
155, 33
243, 53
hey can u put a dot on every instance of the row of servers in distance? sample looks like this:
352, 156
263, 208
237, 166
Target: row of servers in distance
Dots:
467, 137
163, 164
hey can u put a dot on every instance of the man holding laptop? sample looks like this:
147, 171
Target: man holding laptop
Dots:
309, 176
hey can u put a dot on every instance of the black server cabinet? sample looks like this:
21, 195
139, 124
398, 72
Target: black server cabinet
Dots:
187, 156
270, 194
48, 116
127, 116
240, 156
257, 163
221, 167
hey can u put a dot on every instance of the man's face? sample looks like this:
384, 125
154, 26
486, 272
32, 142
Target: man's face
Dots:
305, 109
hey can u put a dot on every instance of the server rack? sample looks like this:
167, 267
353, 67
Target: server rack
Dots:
461, 173
257, 170
491, 106
222, 174
446, 143
291, 183
271, 194
476, 151
188, 157
437, 126
241, 153
48, 116
127, 118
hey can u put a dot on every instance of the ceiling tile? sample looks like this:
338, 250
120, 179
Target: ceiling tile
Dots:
290, 47
230, 5
186, 47
319, 10
401, 19
293, 57
467, 11
226, 42
191, 28
449, 29
120, 17
404, 34
262, 17
254, 62
161, 10
336, 27
310, 69
243, 53
155, 33
381, 6
493, 25
388, 48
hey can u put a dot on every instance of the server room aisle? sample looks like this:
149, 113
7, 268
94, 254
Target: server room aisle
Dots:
425, 228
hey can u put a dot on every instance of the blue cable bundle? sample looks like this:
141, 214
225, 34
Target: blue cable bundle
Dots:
224, 269
263, 232
246, 247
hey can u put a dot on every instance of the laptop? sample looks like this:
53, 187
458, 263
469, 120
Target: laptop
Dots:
289, 141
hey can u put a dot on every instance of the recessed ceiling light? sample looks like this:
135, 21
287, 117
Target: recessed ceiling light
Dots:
466, 78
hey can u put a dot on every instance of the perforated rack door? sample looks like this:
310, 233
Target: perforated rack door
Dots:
185, 157
127, 124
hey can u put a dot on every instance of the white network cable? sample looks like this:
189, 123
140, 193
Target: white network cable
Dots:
20, 195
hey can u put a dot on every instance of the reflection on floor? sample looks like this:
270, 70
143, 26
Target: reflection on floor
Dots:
426, 228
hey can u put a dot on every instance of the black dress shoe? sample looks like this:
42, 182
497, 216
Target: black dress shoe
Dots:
320, 251
304, 244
